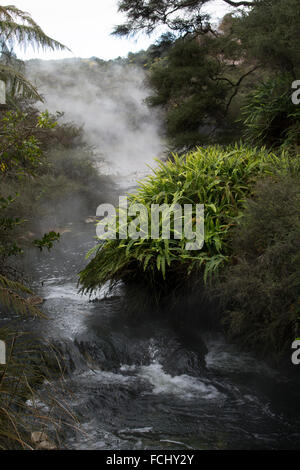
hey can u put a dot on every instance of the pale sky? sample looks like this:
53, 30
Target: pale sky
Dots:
85, 27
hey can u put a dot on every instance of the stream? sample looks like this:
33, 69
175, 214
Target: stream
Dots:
141, 382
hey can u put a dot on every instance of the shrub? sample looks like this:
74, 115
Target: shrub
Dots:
260, 292
220, 178
269, 115
47, 173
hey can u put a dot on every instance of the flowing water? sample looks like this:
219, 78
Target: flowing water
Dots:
139, 382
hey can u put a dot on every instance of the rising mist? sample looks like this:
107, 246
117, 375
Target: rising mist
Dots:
108, 100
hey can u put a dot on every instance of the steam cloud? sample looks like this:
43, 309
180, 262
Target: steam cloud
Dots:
107, 99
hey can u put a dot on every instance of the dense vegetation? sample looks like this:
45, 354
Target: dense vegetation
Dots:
221, 85
44, 164
233, 131
261, 288
204, 76
221, 179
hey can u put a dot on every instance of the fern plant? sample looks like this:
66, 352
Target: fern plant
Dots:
18, 28
15, 296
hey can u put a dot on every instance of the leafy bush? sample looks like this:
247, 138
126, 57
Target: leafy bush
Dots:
260, 291
269, 115
23, 165
269, 34
220, 178
46, 172
21, 159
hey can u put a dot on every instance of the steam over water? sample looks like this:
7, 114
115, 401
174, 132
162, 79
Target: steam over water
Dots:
108, 101
134, 379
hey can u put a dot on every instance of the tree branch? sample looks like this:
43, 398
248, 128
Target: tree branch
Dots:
239, 4
237, 85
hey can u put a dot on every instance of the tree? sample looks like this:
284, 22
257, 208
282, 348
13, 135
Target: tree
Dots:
198, 69
181, 16
18, 28
196, 80
269, 33
269, 36
20, 151
200, 89
186, 84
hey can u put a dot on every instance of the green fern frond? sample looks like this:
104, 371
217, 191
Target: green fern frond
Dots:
17, 27
12, 296
19, 83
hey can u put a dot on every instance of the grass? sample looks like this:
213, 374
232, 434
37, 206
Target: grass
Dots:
21, 411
